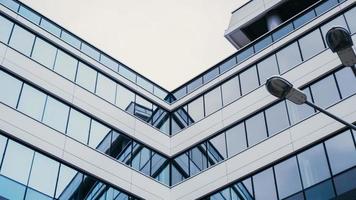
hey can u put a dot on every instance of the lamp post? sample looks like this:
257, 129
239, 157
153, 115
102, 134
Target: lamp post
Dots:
283, 89
339, 41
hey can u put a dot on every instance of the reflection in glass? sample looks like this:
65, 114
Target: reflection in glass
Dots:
346, 81
11, 189
65, 65
267, 68
78, 126
264, 185
311, 44
32, 102
5, 30
325, 92
277, 118
86, 77
350, 17
321, 191
22, 40
249, 80
256, 129
230, 90
299, 112
56, 114
212, 101
124, 98
236, 139
9, 89
288, 57
196, 109
106, 88
44, 53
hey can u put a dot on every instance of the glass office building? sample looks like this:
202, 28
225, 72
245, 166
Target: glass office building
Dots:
75, 123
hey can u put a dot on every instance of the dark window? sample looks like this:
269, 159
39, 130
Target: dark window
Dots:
321, 191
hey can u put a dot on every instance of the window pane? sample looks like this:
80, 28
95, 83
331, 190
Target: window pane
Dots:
145, 84
304, 19
311, 44
350, 18
346, 81
11, 189
183, 162
345, 182
264, 185
109, 63
299, 112
217, 148
97, 133
44, 173
230, 90
322, 191
212, 101
66, 175
78, 126
5, 30
70, 39
236, 140
243, 55
195, 84
127, 73
124, 97
256, 129
285, 30
90, 51
141, 160
288, 57
22, 40
325, 92
66, 65
198, 159
287, 177
277, 118
28, 14
341, 152
313, 166
56, 114
196, 110
86, 77
50, 27
325, 6
32, 102
143, 108
106, 88
33, 194
211, 75
9, 89
227, 64
17, 162
14, 6
267, 68
249, 80
263, 43
338, 21
44, 53
2, 147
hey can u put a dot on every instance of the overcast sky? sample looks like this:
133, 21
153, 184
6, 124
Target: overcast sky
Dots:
168, 41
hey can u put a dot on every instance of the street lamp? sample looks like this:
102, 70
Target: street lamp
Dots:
283, 89
339, 41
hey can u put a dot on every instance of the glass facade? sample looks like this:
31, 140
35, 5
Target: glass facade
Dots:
322, 171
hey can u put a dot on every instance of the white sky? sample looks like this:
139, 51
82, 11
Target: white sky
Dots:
168, 41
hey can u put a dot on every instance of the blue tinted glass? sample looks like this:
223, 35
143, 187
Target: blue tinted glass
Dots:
44, 173
90, 51
86, 77
127, 73
195, 84
17, 162
263, 43
267, 68
11, 189
338, 21
243, 55
198, 159
230, 90
32, 194
227, 65
311, 44
325, 92
196, 109
141, 160
3, 141
217, 148
44, 53
66, 65
325, 6
304, 19
346, 80
109, 63
183, 162
321, 191
222, 195
106, 88
65, 177
350, 17
299, 112
213, 101
163, 176
346, 182
159, 92
124, 98
10, 4
6, 27
78, 126
145, 84
249, 80
22, 40
211, 75
56, 114
32, 102
9, 89
256, 129
50, 27
180, 93
280, 33
277, 118
176, 176
341, 152
288, 57
28, 14
97, 133
313, 166
236, 140
70, 39
264, 185
287, 177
